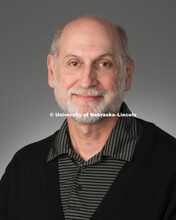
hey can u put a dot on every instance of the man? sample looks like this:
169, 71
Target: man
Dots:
98, 165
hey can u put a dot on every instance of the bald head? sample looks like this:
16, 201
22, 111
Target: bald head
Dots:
92, 21
93, 26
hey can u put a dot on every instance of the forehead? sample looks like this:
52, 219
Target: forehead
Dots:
91, 34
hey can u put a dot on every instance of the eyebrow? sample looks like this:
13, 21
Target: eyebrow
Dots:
99, 57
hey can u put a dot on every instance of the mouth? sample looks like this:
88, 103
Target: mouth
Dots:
87, 97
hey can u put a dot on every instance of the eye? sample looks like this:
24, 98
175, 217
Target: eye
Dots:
105, 64
73, 63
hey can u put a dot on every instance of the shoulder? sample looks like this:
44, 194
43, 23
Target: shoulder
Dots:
157, 133
161, 143
36, 151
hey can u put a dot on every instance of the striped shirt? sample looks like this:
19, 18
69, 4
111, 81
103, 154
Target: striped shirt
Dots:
84, 184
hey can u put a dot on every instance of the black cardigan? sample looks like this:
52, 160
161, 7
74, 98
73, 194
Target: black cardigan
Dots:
145, 188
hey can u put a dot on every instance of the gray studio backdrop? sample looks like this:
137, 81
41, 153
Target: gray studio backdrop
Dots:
26, 31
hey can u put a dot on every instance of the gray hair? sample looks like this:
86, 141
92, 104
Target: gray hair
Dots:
55, 43
125, 50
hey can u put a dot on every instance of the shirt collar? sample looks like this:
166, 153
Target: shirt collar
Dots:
122, 140
120, 144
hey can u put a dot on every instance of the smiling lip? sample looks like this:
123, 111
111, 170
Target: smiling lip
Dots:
88, 98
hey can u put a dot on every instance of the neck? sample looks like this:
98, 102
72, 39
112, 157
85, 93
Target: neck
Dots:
89, 139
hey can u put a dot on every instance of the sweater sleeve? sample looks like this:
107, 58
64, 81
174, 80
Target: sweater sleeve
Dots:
170, 213
5, 191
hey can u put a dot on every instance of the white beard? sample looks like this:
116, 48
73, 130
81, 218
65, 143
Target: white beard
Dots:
105, 106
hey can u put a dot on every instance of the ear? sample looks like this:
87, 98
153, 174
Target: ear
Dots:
129, 74
50, 65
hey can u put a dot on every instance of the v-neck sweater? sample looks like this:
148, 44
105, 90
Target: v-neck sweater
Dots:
145, 188
84, 184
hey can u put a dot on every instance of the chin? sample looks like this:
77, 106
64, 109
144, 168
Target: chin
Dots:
88, 120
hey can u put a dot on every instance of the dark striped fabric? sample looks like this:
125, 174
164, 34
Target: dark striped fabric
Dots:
84, 184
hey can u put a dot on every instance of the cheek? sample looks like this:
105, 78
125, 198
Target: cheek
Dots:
108, 82
66, 81
63, 85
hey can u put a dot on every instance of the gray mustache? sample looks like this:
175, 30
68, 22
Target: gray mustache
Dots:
86, 92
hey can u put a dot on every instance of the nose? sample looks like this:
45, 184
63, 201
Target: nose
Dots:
88, 77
